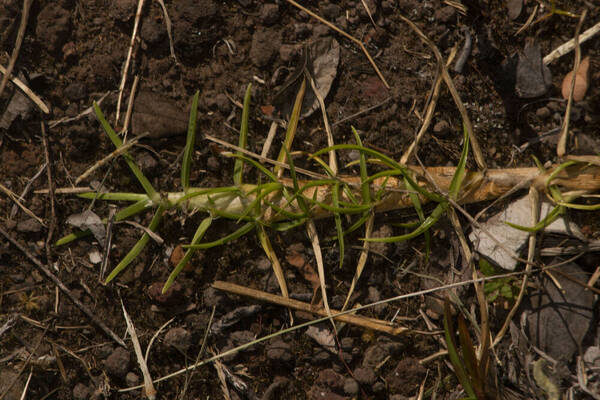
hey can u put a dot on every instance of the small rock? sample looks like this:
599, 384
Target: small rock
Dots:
131, 379
213, 164
287, 52
239, 338
330, 379
75, 91
117, 364
302, 31
366, 376
347, 343
441, 128
213, 298
542, 112
263, 264
265, 45
321, 30
445, 14
171, 296
147, 163
321, 356
592, 356
279, 351
514, 8
317, 393
385, 249
53, 25
533, 76
351, 387
374, 355
81, 392
7, 377
179, 338
30, 225
222, 103
331, 11
269, 14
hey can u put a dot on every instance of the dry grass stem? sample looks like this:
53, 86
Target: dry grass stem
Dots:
149, 389
354, 319
362, 260
125, 71
169, 29
567, 47
21, 85
561, 147
18, 42
479, 159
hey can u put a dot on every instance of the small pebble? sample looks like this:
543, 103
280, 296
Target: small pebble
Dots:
279, 351
543, 112
366, 376
179, 338
30, 225
441, 128
131, 379
269, 14
117, 364
351, 387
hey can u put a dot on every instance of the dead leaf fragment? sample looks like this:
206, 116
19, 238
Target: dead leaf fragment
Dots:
89, 220
581, 81
533, 77
319, 61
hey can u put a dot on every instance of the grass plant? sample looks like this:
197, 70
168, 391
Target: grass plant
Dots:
282, 203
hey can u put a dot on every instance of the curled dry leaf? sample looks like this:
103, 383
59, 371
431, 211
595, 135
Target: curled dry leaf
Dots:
581, 81
319, 61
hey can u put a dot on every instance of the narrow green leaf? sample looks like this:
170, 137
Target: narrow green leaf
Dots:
387, 161
200, 231
72, 237
238, 168
118, 143
459, 173
114, 196
364, 186
133, 209
457, 364
338, 221
469, 357
138, 247
292, 126
232, 236
428, 223
186, 164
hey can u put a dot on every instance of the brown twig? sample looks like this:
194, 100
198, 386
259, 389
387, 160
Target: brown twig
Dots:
358, 320
46, 271
51, 187
561, 147
17, 48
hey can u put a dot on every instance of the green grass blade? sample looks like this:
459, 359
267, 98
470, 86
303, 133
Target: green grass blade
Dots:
186, 164
291, 128
232, 236
202, 228
114, 196
72, 237
255, 164
364, 185
118, 143
338, 221
459, 174
550, 218
238, 167
453, 352
387, 161
469, 357
138, 247
419, 210
133, 209
435, 215
298, 192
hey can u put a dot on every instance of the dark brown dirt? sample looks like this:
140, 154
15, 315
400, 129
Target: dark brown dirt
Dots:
73, 53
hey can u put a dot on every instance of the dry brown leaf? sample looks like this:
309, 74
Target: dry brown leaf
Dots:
581, 81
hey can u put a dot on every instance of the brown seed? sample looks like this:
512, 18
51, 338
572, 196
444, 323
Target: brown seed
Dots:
581, 81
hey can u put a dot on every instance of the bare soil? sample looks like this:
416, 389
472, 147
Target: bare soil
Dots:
73, 53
